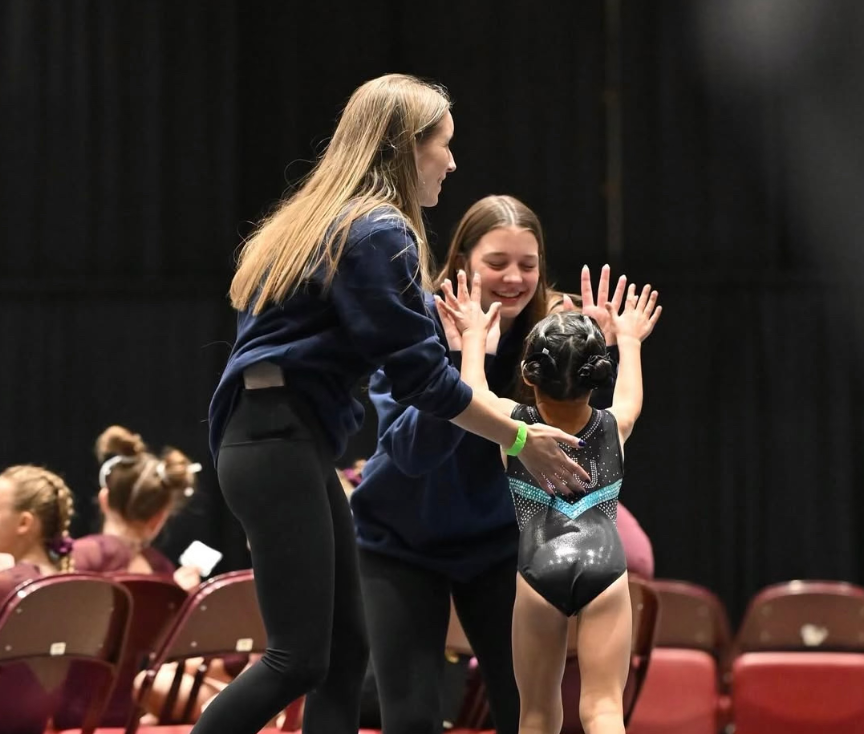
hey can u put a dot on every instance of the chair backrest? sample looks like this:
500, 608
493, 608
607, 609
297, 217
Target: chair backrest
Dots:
201, 630
645, 605
54, 620
691, 617
156, 601
218, 619
646, 616
804, 615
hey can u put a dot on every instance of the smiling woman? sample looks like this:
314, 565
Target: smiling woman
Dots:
500, 238
507, 259
433, 514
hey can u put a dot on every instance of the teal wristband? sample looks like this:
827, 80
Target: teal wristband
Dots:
519, 443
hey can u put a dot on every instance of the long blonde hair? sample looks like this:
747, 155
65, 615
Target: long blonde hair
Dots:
369, 163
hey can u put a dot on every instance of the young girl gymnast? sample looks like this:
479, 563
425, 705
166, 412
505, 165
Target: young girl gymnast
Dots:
571, 561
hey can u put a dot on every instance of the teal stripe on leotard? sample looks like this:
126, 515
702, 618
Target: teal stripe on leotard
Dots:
570, 509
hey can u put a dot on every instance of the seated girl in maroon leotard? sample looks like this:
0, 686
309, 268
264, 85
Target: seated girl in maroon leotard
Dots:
138, 493
35, 510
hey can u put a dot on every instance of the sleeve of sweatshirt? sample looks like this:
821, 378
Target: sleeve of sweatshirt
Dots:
380, 302
416, 442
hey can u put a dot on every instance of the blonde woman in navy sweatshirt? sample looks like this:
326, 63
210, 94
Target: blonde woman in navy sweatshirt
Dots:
328, 289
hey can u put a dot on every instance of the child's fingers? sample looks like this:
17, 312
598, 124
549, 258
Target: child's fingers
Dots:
643, 297
652, 303
475, 288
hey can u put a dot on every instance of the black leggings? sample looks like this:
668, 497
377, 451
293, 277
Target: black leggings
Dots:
407, 611
277, 474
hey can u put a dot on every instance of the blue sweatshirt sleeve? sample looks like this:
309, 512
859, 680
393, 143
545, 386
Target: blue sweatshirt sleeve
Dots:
380, 303
416, 442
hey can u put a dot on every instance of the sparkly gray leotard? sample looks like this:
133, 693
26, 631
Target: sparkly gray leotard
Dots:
569, 548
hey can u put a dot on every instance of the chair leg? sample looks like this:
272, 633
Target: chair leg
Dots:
98, 702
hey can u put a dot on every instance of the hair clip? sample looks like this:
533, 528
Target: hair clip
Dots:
61, 546
191, 470
109, 464
542, 356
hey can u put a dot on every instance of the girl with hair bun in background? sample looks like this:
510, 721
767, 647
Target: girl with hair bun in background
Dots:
138, 492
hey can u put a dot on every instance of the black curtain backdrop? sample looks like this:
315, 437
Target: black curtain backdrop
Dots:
139, 141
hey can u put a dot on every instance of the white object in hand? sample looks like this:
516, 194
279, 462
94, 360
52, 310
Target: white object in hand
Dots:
201, 556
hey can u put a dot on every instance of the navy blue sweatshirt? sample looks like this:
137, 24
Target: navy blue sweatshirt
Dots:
433, 494
327, 340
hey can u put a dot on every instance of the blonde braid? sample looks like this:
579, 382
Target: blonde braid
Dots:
66, 509
59, 543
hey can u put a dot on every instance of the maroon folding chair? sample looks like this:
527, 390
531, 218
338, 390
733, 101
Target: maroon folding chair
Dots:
804, 615
691, 618
799, 660
52, 621
645, 605
219, 619
682, 693
155, 604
